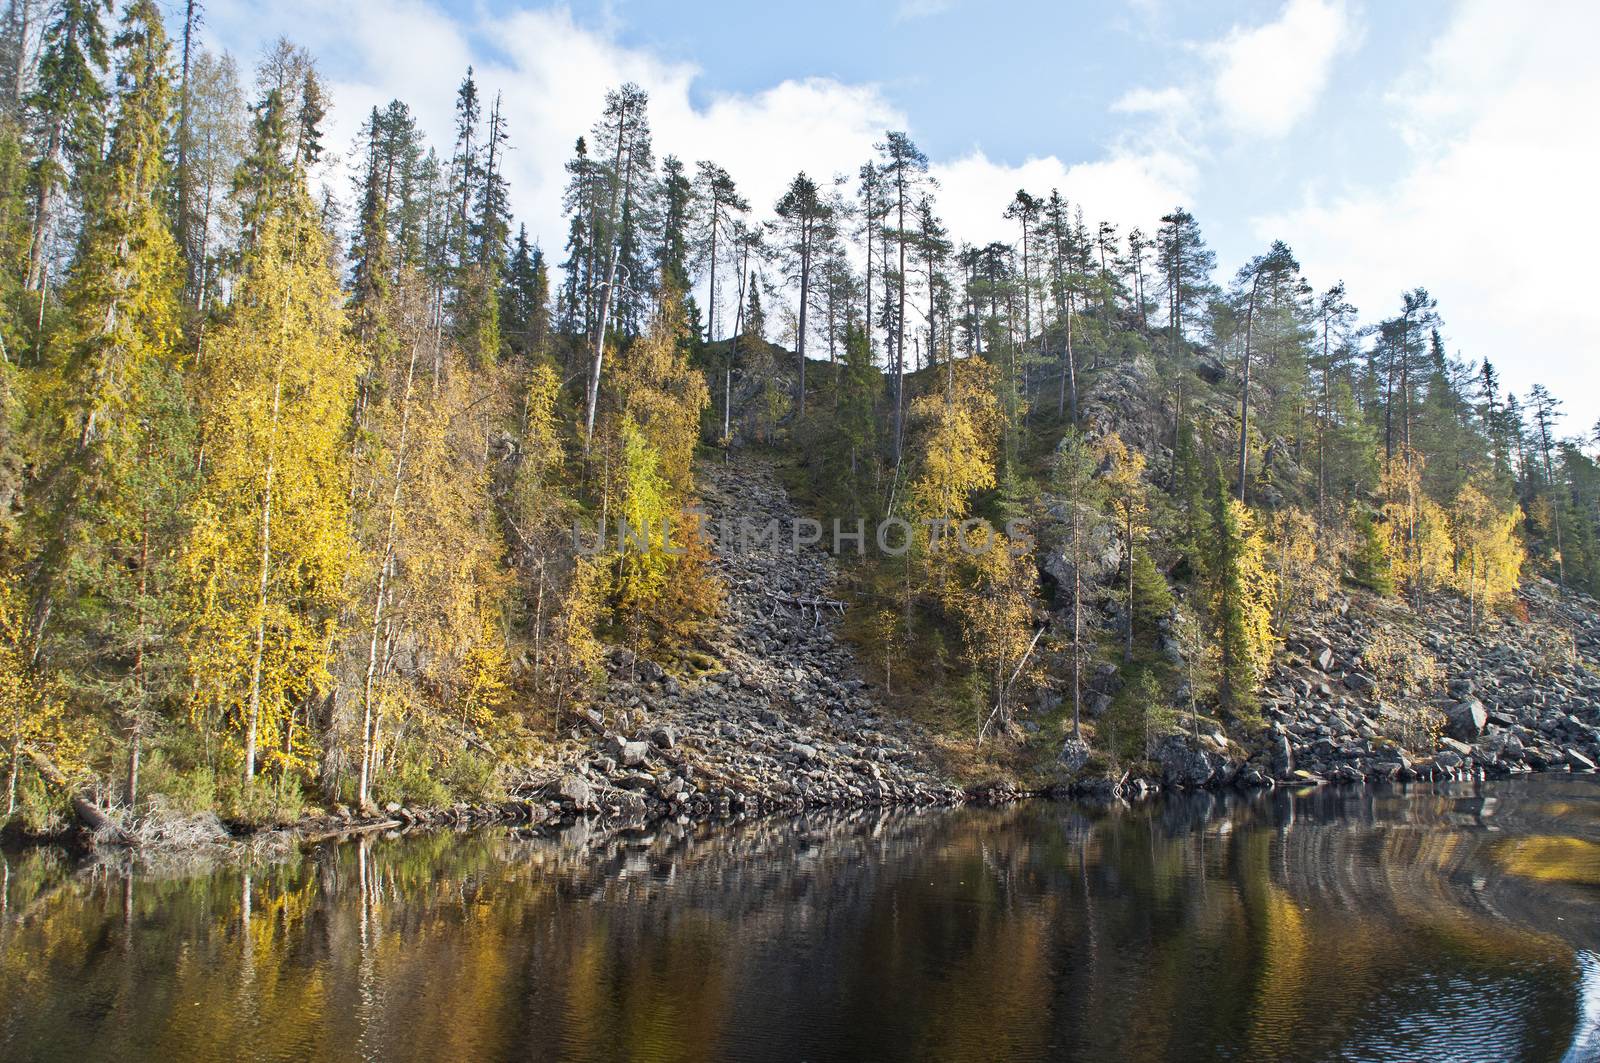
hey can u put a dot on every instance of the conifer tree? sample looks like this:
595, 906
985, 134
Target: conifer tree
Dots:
120, 459
804, 223
69, 103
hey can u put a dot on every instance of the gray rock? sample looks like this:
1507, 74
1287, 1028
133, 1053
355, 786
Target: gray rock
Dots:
1467, 720
664, 737
1282, 756
1074, 755
1324, 659
1358, 682
1182, 765
576, 789
632, 754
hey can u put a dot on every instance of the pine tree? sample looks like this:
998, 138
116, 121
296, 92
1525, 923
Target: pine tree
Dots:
804, 223
1186, 264
904, 169
624, 130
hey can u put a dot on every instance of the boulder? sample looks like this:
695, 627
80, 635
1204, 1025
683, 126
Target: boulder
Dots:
1182, 765
1359, 683
1466, 720
576, 790
1074, 755
1282, 756
664, 737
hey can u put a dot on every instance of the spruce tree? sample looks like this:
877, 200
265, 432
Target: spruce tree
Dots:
120, 462
68, 104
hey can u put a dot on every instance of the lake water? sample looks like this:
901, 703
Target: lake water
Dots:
1451, 923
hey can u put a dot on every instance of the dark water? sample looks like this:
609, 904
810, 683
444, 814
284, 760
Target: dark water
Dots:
1454, 924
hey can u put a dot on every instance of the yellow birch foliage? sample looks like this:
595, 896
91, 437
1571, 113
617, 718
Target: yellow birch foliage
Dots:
1417, 531
32, 712
958, 455
1303, 576
1491, 556
662, 395
267, 555
996, 612
645, 507
576, 652
1241, 587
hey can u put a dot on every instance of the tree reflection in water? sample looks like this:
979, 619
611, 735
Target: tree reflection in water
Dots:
1449, 923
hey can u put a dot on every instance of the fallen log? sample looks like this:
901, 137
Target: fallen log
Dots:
89, 814
351, 830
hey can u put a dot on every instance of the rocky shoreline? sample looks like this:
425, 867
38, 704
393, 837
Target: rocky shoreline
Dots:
1510, 697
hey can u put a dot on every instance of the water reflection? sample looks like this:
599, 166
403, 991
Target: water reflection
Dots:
1337, 924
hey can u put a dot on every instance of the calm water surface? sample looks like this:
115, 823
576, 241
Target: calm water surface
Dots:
1440, 924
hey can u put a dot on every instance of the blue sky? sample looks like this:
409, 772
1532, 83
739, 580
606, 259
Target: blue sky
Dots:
1424, 142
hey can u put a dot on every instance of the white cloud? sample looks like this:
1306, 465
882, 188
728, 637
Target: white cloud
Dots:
1166, 102
1493, 215
915, 9
1128, 188
1269, 77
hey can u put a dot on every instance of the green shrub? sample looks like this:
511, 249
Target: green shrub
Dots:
263, 802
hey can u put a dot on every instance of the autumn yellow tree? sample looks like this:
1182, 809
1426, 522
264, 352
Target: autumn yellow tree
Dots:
962, 430
662, 394
644, 513
1240, 588
270, 546
996, 611
1417, 530
1122, 485
1491, 555
112, 423
1302, 576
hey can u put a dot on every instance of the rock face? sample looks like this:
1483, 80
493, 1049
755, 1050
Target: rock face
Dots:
1510, 696
1182, 765
779, 724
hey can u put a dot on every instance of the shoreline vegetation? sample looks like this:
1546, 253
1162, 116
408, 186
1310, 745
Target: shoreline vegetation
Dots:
300, 443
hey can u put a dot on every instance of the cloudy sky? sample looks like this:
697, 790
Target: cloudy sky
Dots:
1444, 144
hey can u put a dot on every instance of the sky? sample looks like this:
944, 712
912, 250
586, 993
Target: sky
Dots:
1450, 145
